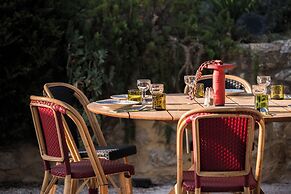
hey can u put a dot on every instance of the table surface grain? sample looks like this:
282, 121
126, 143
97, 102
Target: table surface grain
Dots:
178, 104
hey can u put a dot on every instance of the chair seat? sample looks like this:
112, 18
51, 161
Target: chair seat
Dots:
217, 184
83, 169
112, 152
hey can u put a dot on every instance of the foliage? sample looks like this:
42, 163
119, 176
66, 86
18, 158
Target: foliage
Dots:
30, 54
84, 66
277, 13
104, 46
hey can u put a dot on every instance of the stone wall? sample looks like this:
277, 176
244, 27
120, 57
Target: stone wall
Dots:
156, 159
20, 163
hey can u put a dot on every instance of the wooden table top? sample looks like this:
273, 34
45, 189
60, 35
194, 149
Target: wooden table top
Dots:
178, 104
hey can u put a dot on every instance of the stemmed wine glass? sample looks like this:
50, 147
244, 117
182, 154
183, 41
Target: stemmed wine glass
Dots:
143, 85
264, 81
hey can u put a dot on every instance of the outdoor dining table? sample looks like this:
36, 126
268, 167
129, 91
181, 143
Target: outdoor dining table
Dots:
177, 104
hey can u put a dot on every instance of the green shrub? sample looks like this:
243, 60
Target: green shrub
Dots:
104, 46
31, 53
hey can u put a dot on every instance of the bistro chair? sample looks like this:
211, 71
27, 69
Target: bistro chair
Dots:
231, 82
76, 98
55, 144
223, 140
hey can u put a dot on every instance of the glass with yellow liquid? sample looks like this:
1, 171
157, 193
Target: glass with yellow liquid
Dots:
199, 90
159, 101
277, 92
261, 98
134, 95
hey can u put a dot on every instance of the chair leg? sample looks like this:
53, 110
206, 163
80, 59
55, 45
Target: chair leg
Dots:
45, 182
178, 189
74, 185
247, 190
67, 184
197, 190
128, 185
103, 189
53, 189
125, 184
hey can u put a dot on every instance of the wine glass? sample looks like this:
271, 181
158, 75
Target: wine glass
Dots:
189, 81
264, 80
143, 85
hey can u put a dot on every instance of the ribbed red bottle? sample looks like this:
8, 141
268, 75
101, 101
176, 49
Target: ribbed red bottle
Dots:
218, 82
219, 86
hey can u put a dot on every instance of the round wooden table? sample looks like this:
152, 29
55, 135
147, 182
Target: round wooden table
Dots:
178, 104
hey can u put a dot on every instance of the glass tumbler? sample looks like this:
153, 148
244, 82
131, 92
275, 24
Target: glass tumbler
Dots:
277, 92
199, 90
134, 95
158, 96
261, 98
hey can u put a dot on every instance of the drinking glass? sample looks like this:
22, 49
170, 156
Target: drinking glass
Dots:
158, 96
134, 95
143, 85
264, 80
277, 92
189, 81
156, 88
199, 90
261, 98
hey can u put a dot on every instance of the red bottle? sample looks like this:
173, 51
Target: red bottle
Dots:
218, 82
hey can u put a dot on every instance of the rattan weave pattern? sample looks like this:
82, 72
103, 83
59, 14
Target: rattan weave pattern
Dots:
50, 132
233, 84
223, 143
84, 168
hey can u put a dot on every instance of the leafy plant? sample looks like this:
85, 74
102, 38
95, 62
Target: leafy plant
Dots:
105, 46
84, 66
30, 55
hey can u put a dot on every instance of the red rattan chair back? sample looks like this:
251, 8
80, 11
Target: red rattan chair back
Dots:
50, 131
55, 142
76, 98
223, 143
222, 146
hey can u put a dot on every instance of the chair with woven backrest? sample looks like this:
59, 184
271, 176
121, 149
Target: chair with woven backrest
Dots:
223, 141
52, 134
231, 82
76, 98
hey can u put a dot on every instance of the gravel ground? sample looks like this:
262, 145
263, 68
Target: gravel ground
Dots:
282, 188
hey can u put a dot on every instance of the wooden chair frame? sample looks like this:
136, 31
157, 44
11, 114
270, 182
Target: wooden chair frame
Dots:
126, 183
184, 122
243, 82
101, 180
84, 101
250, 139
